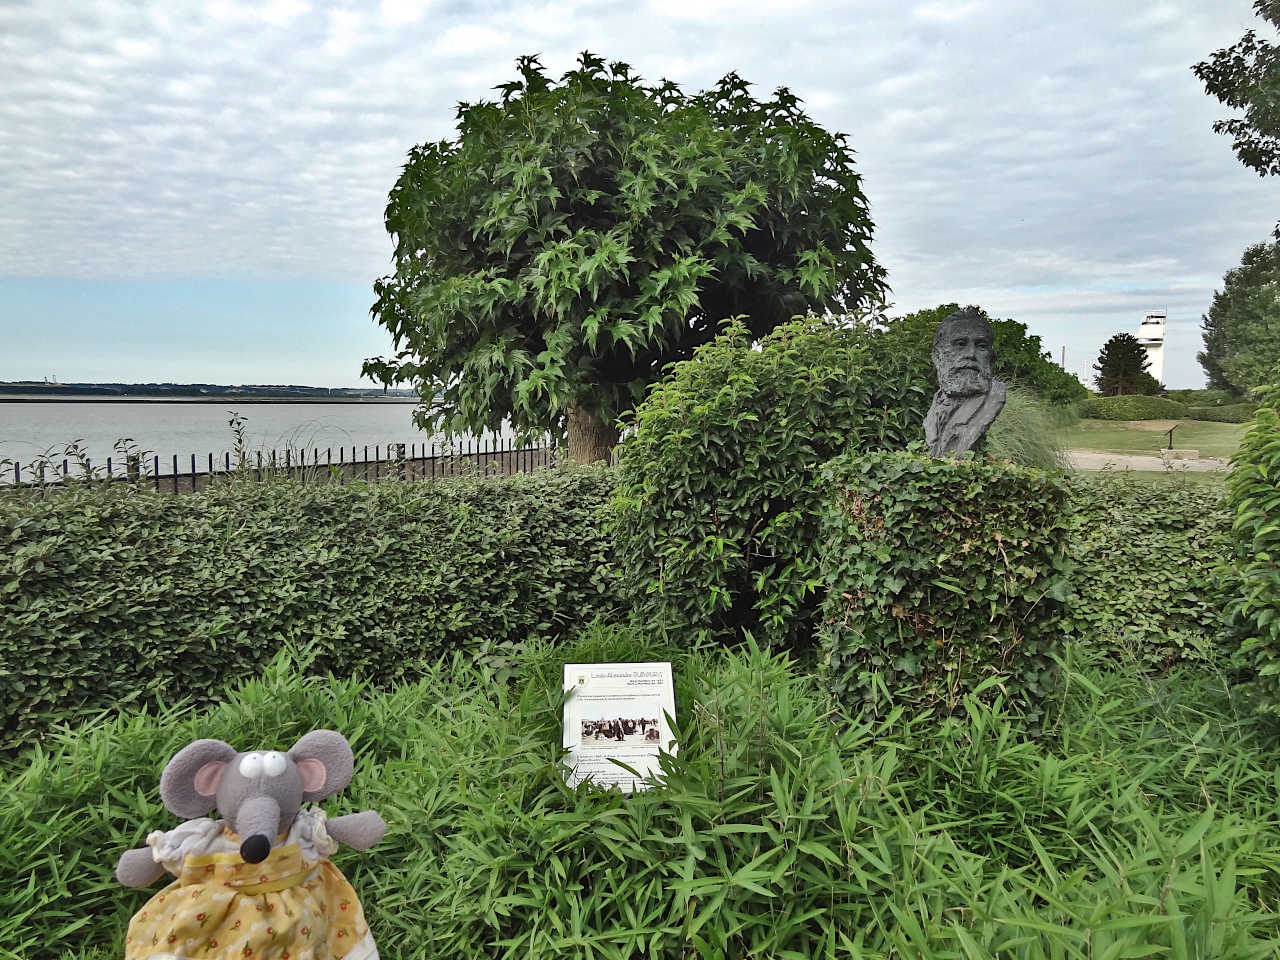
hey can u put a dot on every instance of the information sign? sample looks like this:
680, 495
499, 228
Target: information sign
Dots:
617, 711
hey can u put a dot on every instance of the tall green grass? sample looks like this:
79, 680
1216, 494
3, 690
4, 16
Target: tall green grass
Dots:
1143, 822
1027, 431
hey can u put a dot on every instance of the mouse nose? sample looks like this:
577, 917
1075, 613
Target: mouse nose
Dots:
257, 822
255, 848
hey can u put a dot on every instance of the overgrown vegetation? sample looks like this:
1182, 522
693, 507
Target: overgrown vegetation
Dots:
114, 598
943, 578
718, 507
1141, 823
1254, 499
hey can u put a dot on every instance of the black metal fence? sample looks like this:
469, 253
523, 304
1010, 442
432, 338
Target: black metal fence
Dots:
175, 474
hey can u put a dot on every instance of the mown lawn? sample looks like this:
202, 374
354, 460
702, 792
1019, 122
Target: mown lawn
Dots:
1149, 437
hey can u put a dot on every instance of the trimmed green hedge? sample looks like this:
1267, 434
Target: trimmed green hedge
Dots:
1226, 413
1146, 556
940, 574
1254, 499
1132, 407
111, 597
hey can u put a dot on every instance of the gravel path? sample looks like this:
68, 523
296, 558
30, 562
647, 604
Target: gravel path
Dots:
1093, 460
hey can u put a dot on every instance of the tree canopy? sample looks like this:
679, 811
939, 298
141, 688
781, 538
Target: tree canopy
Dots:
1122, 367
1241, 331
575, 237
1019, 356
1246, 76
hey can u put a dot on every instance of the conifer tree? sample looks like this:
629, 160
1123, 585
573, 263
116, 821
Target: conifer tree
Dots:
1122, 368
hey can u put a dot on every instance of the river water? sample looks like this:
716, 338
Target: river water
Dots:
30, 430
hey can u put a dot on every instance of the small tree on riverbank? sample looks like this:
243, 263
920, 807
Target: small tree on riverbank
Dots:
576, 237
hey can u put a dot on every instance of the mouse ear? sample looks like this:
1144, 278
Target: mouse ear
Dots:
190, 779
325, 763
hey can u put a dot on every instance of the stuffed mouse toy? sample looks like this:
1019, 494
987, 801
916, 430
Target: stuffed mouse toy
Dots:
258, 882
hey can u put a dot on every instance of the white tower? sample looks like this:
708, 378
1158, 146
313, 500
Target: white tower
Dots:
1151, 336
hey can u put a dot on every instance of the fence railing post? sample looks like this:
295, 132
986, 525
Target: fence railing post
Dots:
400, 464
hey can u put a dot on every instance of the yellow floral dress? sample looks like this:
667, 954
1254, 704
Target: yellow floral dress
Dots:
295, 905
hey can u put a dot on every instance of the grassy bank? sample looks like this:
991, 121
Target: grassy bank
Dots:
1142, 823
1149, 437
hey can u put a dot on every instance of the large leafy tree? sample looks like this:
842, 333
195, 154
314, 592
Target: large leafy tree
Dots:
577, 236
1019, 356
1241, 331
1246, 77
1122, 367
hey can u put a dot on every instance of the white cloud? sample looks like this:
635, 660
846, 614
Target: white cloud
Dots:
397, 13
279, 13
945, 10
468, 38
1056, 165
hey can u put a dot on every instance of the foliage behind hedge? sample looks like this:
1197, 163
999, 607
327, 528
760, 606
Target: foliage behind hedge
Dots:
1226, 413
1146, 558
1254, 499
109, 597
1019, 358
940, 573
1132, 407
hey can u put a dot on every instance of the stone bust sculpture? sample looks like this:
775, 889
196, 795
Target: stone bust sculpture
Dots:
968, 399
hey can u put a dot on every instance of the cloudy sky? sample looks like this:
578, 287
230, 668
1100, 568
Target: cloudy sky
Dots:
194, 192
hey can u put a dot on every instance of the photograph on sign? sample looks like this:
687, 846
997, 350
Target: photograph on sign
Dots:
617, 712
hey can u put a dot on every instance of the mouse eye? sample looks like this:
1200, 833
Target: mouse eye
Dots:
274, 763
251, 765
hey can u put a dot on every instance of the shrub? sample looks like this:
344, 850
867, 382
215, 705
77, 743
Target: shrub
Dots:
940, 575
1254, 499
1145, 558
112, 599
1205, 398
1133, 407
717, 506
1226, 413
776, 833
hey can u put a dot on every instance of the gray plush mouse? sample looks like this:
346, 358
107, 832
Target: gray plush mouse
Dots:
259, 878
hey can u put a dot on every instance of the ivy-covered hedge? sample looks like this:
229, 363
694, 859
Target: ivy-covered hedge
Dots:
1226, 413
1132, 407
1254, 499
1146, 557
718, 506
940, 574
109, 597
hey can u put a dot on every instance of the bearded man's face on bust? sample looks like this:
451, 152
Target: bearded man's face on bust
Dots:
962, 358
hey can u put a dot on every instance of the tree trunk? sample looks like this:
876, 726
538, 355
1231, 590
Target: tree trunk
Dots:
590, 438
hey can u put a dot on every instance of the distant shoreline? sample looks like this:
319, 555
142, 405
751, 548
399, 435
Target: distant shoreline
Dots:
222, 399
